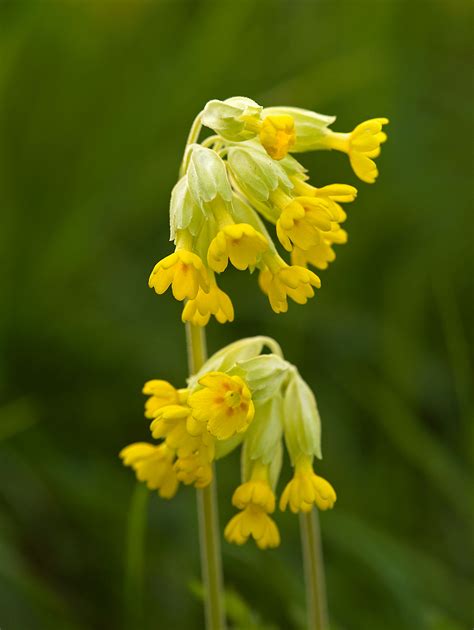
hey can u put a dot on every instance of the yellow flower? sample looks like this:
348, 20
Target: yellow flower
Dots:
256, 491
171, 424
161, 394
279, 281
194, 470
303, 222
307, 489
184, 271
277, 135
331, 194
214, 302
255, 522
240, 243
224, 403
153, 465
320, 255
361, 145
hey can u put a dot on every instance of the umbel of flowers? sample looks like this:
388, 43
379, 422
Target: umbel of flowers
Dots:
239, 398
244, 173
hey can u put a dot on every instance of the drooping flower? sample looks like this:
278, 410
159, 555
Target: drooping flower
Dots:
306, 489
153, 465
184, 271
214, 302
224, 403
239, 243
280, 281
322, 254
256, 501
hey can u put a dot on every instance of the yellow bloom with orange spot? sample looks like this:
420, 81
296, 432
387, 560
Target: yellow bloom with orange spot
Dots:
307, 489
224, 403
240, 243
184, 271
153, 465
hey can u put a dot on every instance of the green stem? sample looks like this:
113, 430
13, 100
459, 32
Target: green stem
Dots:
209, 540
135, 556
192, 138
314, 571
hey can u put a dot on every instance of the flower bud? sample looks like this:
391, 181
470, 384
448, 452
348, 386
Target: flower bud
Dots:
302, 424
232, 118
207, 177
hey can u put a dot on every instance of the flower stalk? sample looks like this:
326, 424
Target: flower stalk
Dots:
316, 603
208, 520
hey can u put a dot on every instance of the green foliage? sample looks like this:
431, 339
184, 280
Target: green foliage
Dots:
96, 100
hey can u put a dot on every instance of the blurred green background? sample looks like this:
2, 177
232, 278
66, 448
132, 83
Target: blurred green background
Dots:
95, 103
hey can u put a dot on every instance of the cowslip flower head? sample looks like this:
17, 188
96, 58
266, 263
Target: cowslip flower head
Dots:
224, 403
233, 181
241, 397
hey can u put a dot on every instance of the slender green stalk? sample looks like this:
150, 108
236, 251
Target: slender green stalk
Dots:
209, 540
314, 571
135, 556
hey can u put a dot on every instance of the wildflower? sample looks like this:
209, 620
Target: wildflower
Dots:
239, 243
255, 522
184, 271
331, 195
320, 255
256, 500
280, 281
153, 465
224, 403
306, 489
161, 394
302, 222
240, 397
214, 302
361, 145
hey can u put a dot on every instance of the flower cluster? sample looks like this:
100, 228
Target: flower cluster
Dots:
239, 397
242, 174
